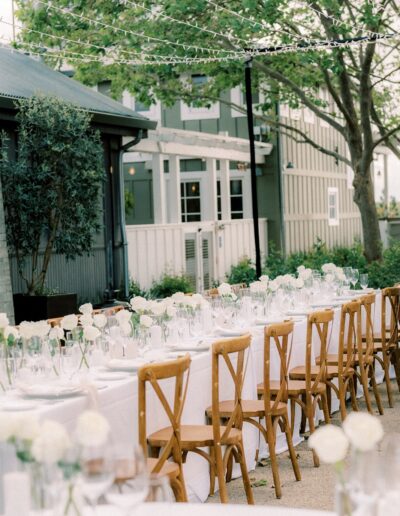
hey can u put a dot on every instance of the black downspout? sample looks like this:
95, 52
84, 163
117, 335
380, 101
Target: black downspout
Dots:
250, 123
280, 183
122, 149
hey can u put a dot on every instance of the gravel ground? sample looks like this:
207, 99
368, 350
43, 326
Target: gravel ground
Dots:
315, 491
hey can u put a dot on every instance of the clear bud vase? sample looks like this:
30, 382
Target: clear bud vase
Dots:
71, 500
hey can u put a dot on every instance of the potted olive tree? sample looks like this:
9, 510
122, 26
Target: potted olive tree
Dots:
51, 193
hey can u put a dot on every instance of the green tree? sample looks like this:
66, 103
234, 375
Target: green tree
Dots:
52, 190
362, 81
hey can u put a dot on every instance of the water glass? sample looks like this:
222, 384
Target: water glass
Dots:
364, 281
160, 490
97, 473
354, 277
131, 481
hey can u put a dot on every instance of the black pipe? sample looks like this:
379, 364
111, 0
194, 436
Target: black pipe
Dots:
250, 123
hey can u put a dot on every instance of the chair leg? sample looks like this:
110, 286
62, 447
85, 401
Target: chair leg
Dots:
292, 414
329, 398
364, 382
396, 363
386, 365
212, 471
229, 468
245, 474
292, 452
375, 389
353, 396
325, 408
310, 417
303, 415
271, 441
178, 490
219, 466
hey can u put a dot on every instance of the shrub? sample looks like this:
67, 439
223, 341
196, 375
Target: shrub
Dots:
168, 285
243, 272
386, 272
135, 289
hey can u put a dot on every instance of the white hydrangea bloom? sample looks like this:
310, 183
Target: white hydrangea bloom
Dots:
330, 444
69, 322
52, 443
86, 308
92, 429
363, 430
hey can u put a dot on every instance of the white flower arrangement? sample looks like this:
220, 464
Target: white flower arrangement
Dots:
69, 322
224, 289
51, 444
363, 430
264, 278
330, 444
139, 304
92, 429
99, 320
178, 298
91, 333
274, 285
126, 329
328, 268
300, 269
145, 321
28, 427
299, 283
304, 273
157, 308
86, 320
123, 317
171, 311
56, 333
86, 309
4, 322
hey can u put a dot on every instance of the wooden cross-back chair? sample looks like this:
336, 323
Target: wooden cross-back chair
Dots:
152, 374
194, 438
213, 292
307, 383
386, 344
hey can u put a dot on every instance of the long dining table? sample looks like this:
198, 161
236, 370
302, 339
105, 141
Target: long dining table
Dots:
118, 402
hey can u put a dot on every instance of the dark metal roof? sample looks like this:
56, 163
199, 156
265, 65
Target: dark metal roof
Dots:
22, 76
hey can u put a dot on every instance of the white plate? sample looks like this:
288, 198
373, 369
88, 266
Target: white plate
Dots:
230, 332
18, 406
188, 347
110, 376
120, 364
49, 391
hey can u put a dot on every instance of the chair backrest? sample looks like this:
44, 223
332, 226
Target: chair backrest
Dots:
227, 349
350, 337
367, 326
280, 334
391, 298
321, 322
152, 374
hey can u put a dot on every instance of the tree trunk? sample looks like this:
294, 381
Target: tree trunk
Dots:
365, 200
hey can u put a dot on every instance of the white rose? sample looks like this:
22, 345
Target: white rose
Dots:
146, 321
328, 267
26, 330
330, 444
8, 425
92, 429
28, 427
300, 269
69, 322
273, 285
157, 308
139, 304
305, 274
100, 320
42, 328
91, 333
86, 320
126, 329
263, 278
10, 331
4, 322
87, 308
299, 283
341, 276
363, 430
329, 277
123, 317
56, 333
224, 289
178, 297
50, 446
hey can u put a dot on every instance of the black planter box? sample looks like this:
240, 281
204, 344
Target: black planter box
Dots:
36, 308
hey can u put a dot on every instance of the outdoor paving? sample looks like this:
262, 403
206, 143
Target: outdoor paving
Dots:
316, 489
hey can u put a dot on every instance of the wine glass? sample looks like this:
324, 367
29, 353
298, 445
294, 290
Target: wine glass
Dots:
160, 490
354, 277
131, 481
97, 473
364, 281
69, 359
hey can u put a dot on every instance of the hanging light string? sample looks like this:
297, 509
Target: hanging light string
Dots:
186, 23
108, 60
185, 46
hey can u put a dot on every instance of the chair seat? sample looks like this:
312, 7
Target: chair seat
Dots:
299, 373
332, 359
250, 408
295, 387
193, 436
169, 469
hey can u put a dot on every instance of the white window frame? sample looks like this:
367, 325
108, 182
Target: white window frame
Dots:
153, 113
333, 193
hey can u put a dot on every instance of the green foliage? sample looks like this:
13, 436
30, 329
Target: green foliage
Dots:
243, 272
52, 190
387, 272
391, 210
168, 285
135, 289
129, 202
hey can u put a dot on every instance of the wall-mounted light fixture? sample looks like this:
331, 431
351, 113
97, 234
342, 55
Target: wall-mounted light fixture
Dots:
131, 171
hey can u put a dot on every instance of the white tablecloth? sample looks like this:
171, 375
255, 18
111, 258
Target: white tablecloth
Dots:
119, 403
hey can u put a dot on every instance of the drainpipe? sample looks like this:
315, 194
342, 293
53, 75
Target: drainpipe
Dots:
122, 221
280, 182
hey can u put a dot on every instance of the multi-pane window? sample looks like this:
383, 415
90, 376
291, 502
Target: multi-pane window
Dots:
236, 187
333, 206
190, 201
